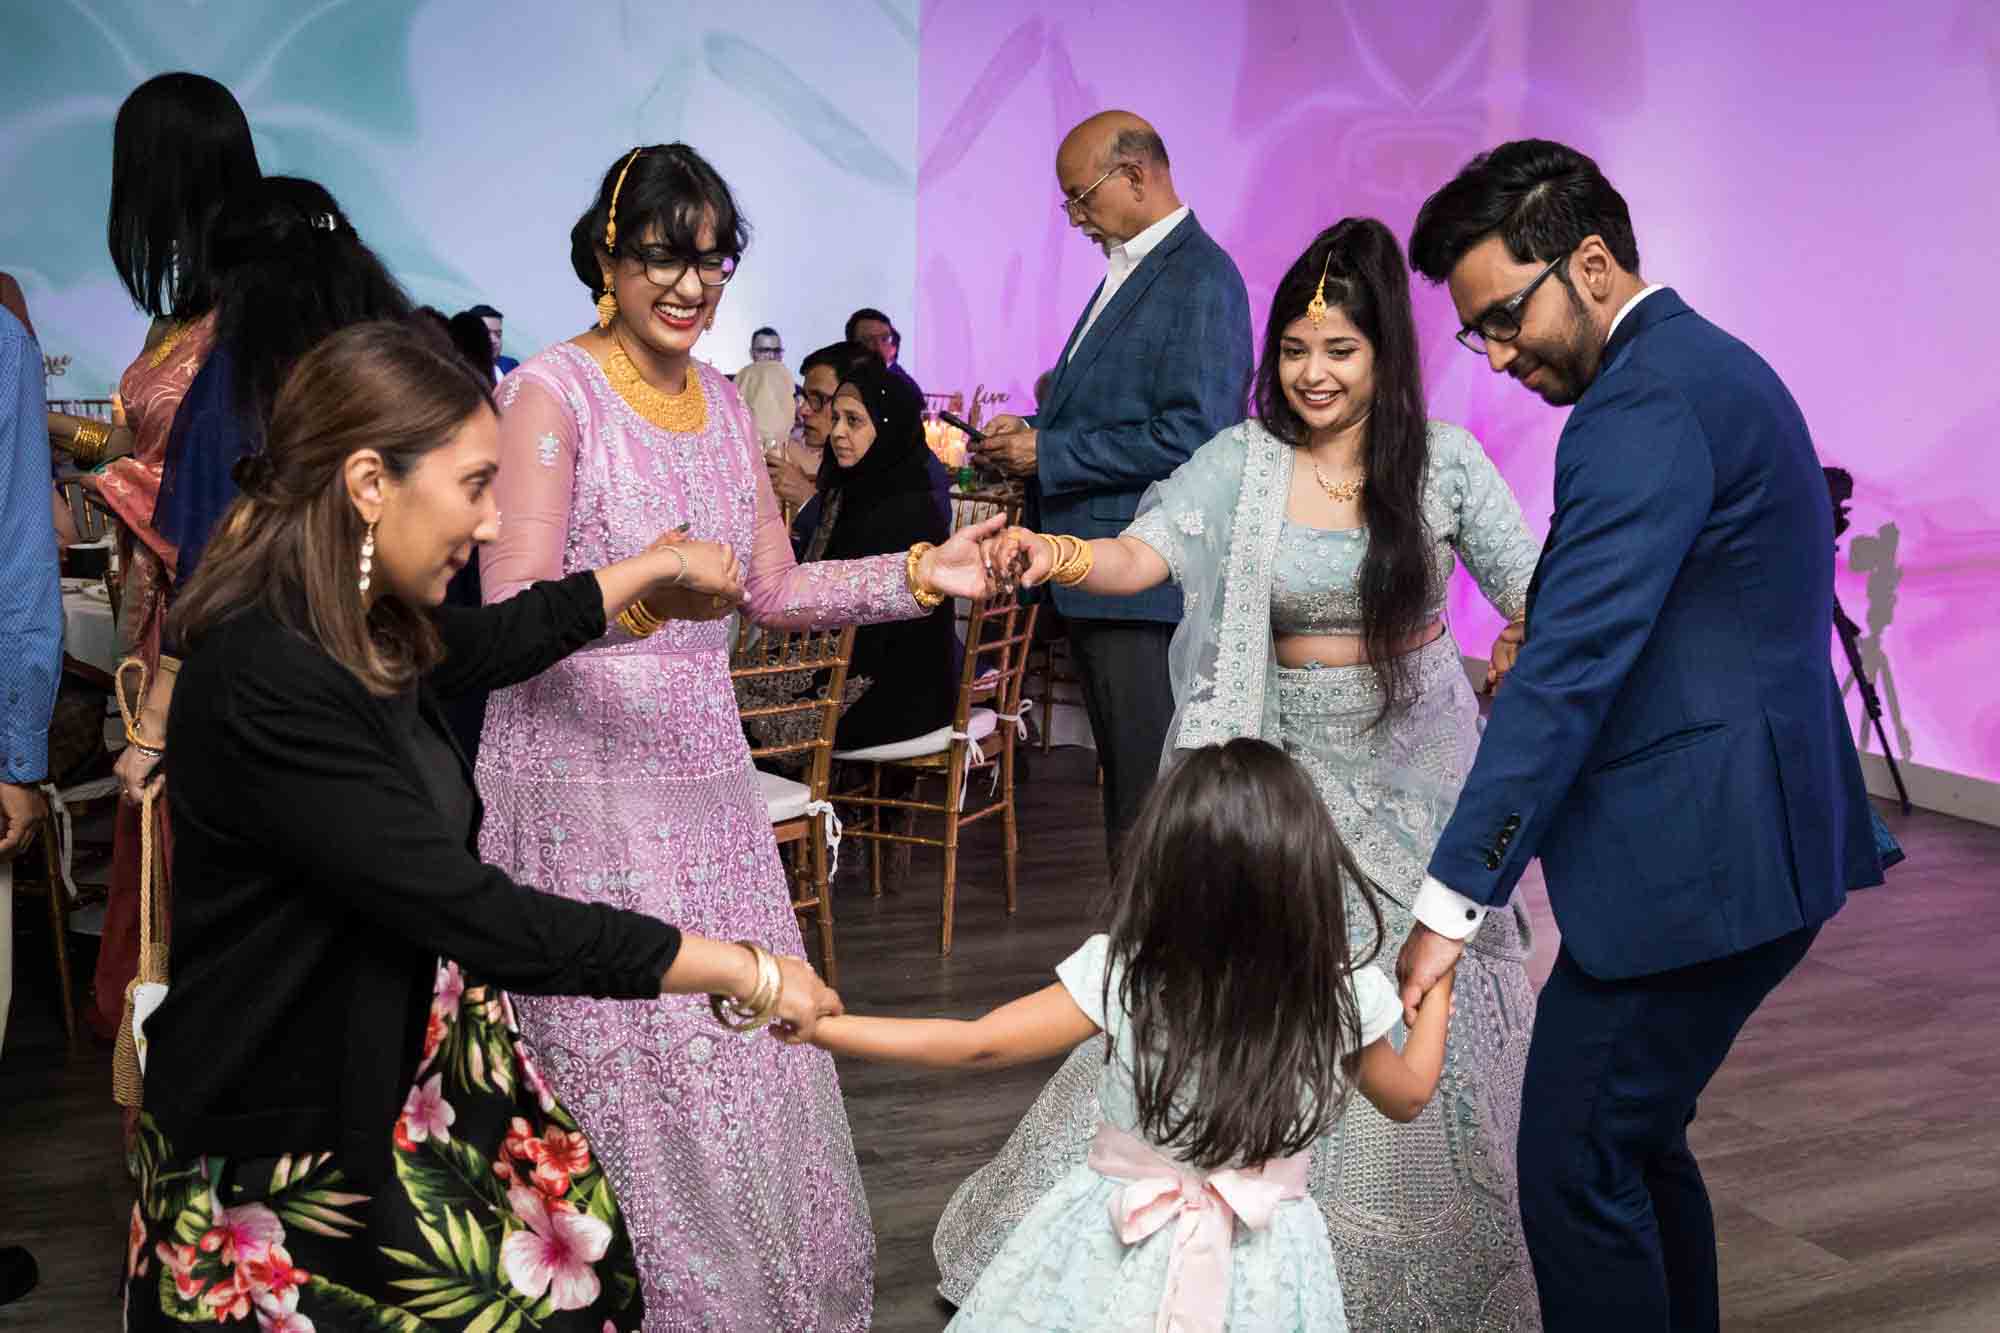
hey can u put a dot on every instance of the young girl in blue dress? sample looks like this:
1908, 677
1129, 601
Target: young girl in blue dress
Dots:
1238, 1019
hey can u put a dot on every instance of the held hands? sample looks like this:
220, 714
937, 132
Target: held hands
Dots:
705, 577
1018, 556
803, 1002
1427, 961
1009, 446
959, 568
1506, 649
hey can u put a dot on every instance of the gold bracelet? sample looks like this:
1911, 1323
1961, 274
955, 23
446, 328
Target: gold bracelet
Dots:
929, 599
748, 1015
1077, 568
86, 444
1055, 552
640, 623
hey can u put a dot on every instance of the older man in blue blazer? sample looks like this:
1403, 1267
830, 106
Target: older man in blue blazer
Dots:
1670, 742
1159, 363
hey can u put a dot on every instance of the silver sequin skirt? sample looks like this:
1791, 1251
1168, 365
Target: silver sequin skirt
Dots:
1425, 1226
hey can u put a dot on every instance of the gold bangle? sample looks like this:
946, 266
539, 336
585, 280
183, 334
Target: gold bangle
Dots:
747, 1015
640, 623
927, 598
86, 443
1055, 552
1076, 568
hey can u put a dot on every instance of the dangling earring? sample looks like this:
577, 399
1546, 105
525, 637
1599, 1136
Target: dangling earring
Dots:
607, 307
711, 322
367, 556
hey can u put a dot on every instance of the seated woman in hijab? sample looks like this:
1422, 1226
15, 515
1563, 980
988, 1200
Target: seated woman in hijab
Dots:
876, 496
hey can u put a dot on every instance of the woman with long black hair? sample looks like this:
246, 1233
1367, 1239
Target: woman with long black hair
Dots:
1314, 544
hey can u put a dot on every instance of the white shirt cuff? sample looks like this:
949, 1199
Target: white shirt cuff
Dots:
1446, 911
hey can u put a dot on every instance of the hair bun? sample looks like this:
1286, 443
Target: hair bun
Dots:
253, 475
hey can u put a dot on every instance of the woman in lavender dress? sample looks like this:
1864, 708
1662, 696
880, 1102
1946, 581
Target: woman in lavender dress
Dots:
621, 775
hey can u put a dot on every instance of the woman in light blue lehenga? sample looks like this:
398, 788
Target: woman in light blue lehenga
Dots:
1294, 634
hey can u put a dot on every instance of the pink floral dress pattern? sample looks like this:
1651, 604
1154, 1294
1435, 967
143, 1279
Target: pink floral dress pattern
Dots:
621, 776
499, 1216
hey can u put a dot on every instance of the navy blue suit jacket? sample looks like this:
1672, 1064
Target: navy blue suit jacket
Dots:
1164, 370
1671, 741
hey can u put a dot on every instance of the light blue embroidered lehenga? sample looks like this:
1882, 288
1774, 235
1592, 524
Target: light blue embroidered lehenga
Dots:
1426, 1233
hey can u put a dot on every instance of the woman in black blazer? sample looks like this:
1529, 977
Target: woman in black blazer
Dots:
342, 1128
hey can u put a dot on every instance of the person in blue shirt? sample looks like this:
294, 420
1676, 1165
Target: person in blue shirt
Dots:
30, 652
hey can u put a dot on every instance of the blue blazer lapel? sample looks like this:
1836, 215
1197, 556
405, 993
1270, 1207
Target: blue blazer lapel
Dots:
1081, 356
1063, 365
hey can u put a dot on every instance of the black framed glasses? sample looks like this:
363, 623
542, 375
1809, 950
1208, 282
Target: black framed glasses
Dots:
1502, 323
664, 267
816, 402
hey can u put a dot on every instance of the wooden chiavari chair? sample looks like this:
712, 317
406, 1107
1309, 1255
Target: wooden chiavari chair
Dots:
800, 722
985, 725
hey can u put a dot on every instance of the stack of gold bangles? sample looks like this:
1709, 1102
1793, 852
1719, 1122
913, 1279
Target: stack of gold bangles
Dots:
86, 445
1072, 557
636, 619
755, 1012
926, 597
638, 622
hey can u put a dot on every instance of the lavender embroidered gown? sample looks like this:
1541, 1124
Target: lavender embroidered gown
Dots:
621, 775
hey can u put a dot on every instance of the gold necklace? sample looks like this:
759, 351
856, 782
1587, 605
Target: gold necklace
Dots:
685, 412
1340, 492
168, 341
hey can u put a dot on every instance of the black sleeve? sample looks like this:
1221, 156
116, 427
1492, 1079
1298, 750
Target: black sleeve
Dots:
492, 647
323, 790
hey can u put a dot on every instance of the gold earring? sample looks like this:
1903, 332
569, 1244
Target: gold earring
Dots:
711, 322
607, 307
1316, 308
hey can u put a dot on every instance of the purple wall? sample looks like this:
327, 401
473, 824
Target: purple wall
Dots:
1827, 191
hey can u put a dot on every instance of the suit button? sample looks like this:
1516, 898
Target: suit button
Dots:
1471, 914
1511, 823
1492, 860
1506, 836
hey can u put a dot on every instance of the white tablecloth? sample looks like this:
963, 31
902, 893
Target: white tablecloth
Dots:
89, 633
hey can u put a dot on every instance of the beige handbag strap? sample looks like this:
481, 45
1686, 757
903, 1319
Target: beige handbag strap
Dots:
150, 968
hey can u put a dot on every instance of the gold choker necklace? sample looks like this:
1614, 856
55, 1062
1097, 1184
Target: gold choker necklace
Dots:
685, 412
1340, 492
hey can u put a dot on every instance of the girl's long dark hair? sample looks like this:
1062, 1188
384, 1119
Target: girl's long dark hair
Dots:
1232, 930
291, 271
1366, 278
180, 146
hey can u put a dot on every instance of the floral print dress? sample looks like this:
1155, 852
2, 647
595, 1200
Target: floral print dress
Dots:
498, 1218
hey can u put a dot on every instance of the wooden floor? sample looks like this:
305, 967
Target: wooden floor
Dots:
1851, 1143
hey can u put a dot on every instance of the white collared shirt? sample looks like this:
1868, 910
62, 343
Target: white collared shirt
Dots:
1440, 907
1119, 261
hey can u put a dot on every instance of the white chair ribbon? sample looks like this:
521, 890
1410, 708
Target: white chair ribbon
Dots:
974, 757
59, 815
833, 830
1020, 721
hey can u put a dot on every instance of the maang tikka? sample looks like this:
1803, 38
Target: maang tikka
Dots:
1317, 307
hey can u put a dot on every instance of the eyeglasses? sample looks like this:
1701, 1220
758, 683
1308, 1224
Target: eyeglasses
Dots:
767, 351
664, 268
1071, 202
816, 401
1502, 323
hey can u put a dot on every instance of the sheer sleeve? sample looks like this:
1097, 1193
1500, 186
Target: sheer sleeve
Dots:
533, 489
1491, 536
785, 594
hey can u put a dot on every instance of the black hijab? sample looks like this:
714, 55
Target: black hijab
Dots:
882, 503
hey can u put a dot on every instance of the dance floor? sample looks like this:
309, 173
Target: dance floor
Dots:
1851, 1143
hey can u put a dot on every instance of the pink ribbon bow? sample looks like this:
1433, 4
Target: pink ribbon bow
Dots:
1158, 1190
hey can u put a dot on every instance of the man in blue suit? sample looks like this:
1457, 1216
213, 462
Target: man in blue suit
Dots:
1158, 364
1670, 741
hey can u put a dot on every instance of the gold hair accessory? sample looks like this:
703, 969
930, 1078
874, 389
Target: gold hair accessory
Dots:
1316, 308
928, 598
607, 304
